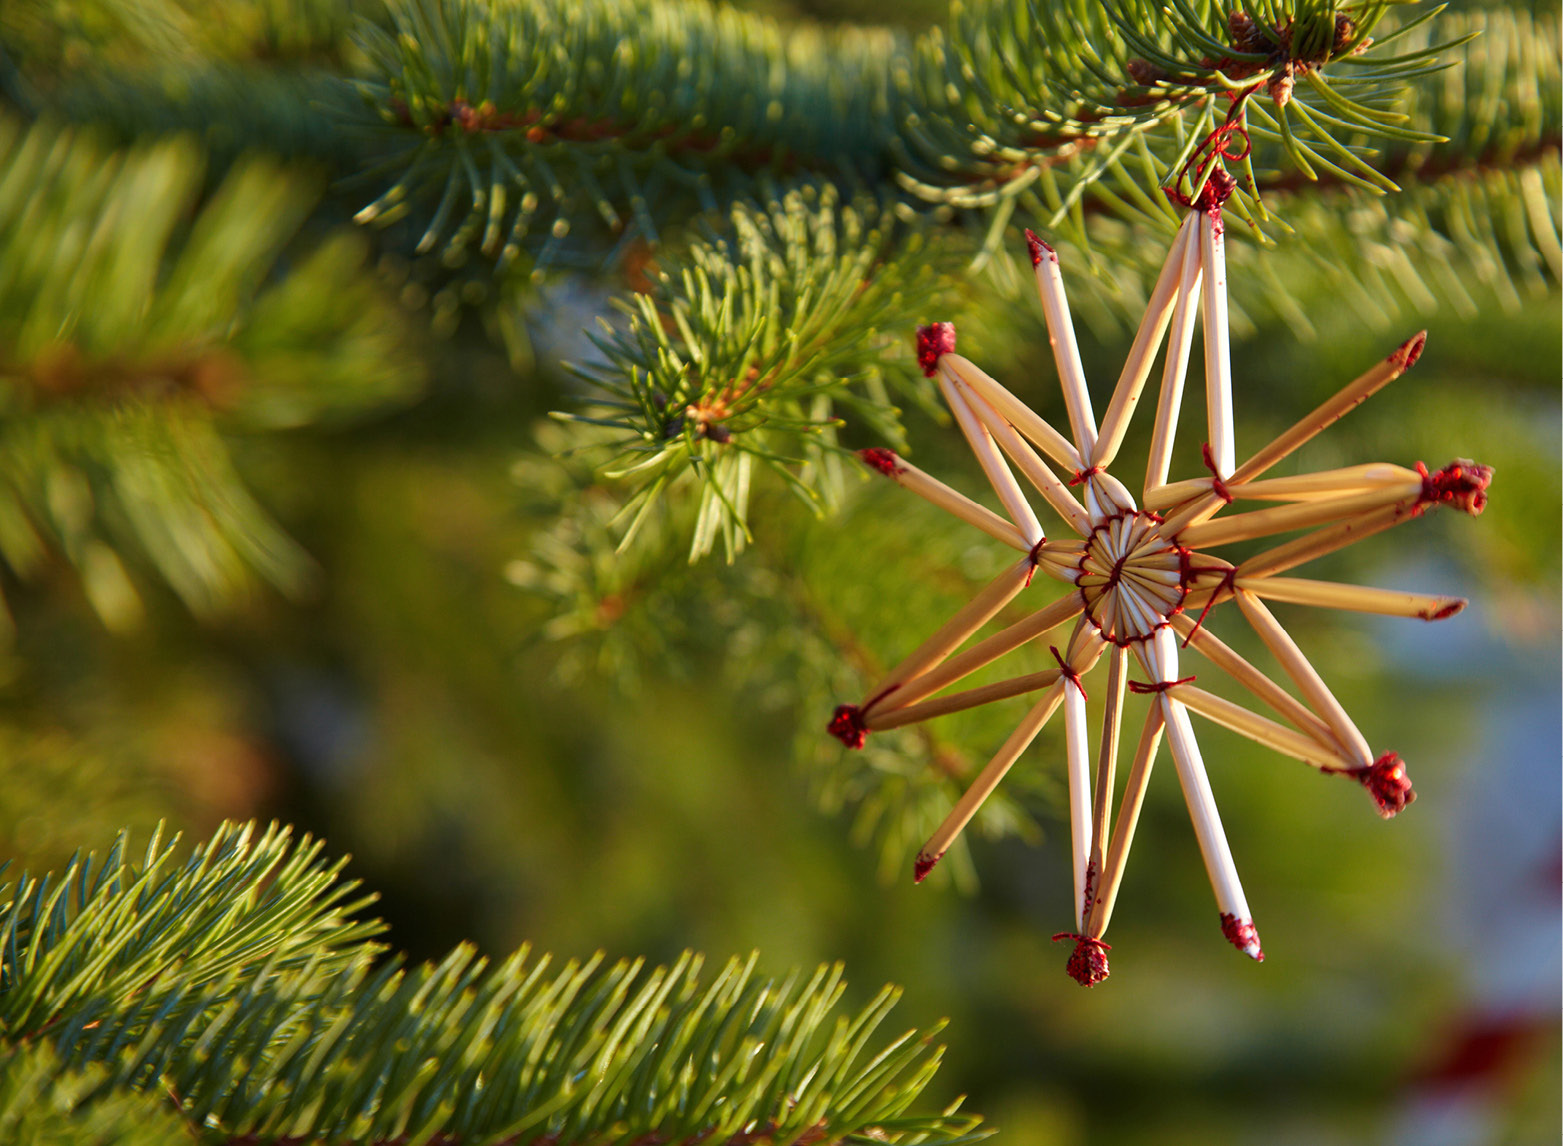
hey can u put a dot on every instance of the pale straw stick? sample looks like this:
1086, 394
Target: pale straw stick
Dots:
1105, 496
1020, 415
1175, 493
1111, 877
884, 719
988, 779
1305, 549
1308, 680
1066, 353
1357, 598
1076, 741
1324, 483
1044, 620
931, 489
1258, 728
1034, 468
1147, 340
1284, 518
1162, 662
953, 633
1302, 487
992, 462
1192, 512
1180, 339
1107, 758
1218, 356
1354, 393
1224, 657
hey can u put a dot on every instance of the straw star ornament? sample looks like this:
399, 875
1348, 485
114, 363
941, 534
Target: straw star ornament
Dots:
1145, 575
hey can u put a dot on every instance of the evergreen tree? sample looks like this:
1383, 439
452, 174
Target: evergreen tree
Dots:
399, 394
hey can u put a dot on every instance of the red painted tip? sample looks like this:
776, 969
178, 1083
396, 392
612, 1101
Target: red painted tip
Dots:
1387, 782
933, 340
847, 726
1461, 484
1447, 611
1409, 351
1088, 961
883, 460
924, 865
1241, 934
1038, 249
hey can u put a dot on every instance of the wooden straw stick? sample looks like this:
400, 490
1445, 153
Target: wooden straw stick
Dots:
1078, 753
1044, 620
1284, 518
1283, 702
1305, 549
1358, 598
1218, 356
883, 719
1324, 483
931, 489
1111, 877
1034, 468
1193, 512
982, 787
1066, 353
1147, 340
1020, 415
1298, 667
1107, 759
1258, 728
1354, 394
1180, 339
992, 462
953, 633
1162, 655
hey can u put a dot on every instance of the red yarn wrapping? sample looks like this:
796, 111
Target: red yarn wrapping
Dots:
1461, 484
883, 460
1241, 934
1067, 671
1386, 781
933, 340
1088, 961
1149, 688
1083, 476
1228, 581
1218, 484
847, 726
1039, 249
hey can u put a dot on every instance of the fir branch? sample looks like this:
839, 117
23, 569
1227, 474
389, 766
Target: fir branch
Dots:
108, 933
137, 322
235, 987
530, 117
41, 1103
741, 360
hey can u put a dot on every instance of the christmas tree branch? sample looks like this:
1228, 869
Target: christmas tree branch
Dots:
138, 322
236, 984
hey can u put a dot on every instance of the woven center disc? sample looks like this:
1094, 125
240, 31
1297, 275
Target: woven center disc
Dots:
1131, 578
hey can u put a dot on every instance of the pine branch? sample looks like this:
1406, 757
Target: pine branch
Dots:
235, 985
137, 323
516, 122
742, 360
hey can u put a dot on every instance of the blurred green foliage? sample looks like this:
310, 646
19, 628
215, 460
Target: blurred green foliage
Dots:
285, 530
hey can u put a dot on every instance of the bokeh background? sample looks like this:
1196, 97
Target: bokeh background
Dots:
642, 770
